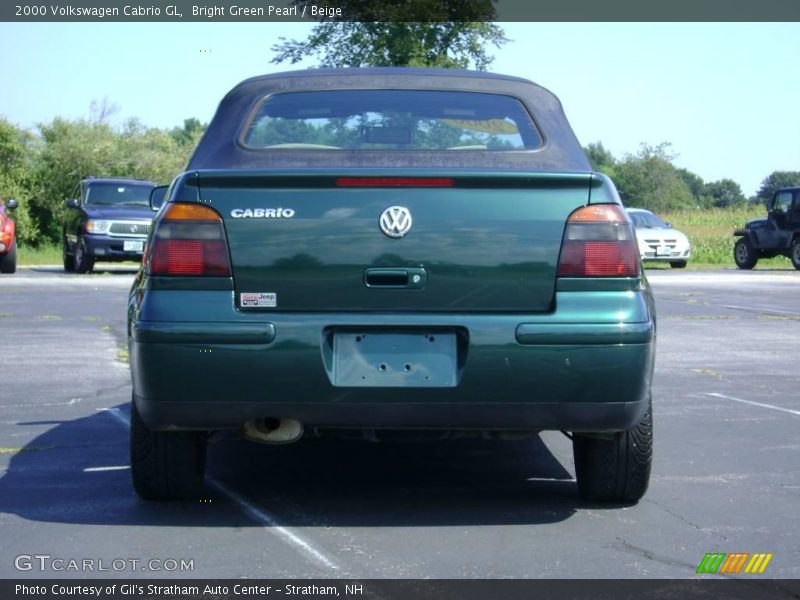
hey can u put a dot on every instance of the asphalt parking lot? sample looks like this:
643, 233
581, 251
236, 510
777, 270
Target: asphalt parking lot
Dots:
725, 477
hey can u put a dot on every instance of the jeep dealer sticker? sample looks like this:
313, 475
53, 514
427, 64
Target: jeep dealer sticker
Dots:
258, 299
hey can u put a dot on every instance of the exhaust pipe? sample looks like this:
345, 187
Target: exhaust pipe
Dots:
273, 431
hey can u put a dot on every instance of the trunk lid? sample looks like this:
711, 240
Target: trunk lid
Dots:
302, 241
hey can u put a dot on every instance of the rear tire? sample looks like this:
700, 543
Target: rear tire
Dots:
83, 261
744, 255
678, 264
615, 469
69, 260
166, 465
8, 261
795, 254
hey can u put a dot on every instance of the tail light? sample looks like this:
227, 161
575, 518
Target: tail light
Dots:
189, 239
6, 232
599, 241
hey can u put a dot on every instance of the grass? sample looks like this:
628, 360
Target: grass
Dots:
28, 256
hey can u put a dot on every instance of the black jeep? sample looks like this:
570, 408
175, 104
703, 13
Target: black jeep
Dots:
777, 235
109, 219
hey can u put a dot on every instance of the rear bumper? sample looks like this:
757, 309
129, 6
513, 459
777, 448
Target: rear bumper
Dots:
197, 363
494, 416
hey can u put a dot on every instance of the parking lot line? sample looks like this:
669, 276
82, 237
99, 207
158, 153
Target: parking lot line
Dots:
761, 404
254, 512
761, 310
103, 469
263, 517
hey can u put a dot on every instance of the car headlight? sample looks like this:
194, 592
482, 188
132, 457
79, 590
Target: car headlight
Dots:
93, 226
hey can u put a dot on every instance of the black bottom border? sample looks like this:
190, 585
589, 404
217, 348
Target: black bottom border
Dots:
399, 589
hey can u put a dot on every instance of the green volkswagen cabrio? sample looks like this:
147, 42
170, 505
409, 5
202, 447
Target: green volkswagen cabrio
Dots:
374, 250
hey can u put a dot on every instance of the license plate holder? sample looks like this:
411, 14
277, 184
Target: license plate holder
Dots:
133, 246
396, 359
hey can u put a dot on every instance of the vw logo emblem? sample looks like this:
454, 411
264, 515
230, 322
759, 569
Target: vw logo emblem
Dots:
134, 228
395, 221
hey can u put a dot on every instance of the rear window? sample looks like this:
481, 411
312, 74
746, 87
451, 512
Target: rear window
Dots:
391, 120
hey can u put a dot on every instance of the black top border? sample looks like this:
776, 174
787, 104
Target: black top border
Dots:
311, 11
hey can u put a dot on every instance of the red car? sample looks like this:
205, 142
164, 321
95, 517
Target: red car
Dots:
8, 245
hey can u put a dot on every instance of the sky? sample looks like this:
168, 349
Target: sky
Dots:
725, 95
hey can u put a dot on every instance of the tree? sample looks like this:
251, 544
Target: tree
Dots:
72, 150
416, 33
649, 180
148, 153
601, 159
190, 133
103, 110
41, 169
14, 148
693, 181
697, 187
17, 150
776, 180
725, 193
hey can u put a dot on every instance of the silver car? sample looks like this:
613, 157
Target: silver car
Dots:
658, 240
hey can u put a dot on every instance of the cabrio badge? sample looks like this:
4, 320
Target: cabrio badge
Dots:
262, 213
395, 221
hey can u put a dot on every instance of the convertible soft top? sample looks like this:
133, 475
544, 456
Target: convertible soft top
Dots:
221, 146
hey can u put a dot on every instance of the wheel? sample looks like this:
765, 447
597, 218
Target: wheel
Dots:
69, 260
795, 254
8, 261
678, 264
166, 465
744, 255
83, 261
616, 469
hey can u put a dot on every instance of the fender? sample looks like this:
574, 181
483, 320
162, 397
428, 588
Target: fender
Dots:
750, 235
